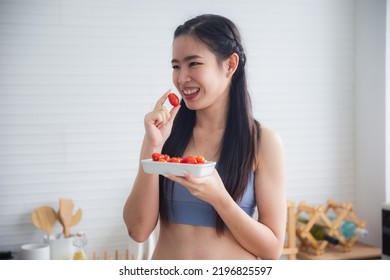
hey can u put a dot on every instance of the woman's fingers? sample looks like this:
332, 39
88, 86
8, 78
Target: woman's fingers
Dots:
161, 101
163, 117
173, 113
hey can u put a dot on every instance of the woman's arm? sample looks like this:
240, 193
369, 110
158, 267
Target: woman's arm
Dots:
265, 237
141, 210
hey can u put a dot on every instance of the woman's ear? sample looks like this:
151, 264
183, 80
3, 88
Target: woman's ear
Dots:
232, 64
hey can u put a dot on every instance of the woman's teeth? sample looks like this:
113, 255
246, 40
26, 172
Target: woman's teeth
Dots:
190, 91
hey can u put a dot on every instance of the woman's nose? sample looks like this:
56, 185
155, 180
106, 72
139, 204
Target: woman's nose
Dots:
183, 76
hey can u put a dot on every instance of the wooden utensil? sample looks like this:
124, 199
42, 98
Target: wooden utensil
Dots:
75, 219
44, 218
65, 214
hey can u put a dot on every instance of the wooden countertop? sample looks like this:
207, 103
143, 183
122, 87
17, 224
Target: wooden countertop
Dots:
359, 251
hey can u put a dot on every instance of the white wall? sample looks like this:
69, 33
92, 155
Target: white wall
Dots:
370, 115
302, 74
76, 78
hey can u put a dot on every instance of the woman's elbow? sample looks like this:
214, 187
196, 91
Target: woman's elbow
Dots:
138, 235
139, 231
273, 252
271, 256
135, 228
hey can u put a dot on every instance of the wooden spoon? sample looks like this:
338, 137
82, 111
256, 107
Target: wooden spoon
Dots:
44, 218
65, 213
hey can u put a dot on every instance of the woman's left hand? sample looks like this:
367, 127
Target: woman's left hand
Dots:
209, 188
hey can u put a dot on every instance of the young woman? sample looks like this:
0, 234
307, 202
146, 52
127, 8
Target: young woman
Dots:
210, 217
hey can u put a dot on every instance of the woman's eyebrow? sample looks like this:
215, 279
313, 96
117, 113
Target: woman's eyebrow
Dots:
187, 58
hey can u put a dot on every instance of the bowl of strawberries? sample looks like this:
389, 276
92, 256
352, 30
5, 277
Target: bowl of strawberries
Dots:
163, 164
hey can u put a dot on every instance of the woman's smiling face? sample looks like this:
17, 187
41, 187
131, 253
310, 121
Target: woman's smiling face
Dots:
197, 75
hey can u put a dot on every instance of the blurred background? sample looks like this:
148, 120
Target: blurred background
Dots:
78, 76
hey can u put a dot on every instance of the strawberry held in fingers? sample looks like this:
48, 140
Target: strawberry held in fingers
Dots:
173, 99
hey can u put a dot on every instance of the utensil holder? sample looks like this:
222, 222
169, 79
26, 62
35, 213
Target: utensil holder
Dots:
61, 248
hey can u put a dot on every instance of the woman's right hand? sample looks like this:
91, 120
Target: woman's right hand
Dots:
158, 123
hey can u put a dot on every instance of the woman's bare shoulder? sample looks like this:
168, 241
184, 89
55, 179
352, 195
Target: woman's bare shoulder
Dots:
270, 144
269, 137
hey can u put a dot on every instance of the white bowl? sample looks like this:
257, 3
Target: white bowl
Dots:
178, 169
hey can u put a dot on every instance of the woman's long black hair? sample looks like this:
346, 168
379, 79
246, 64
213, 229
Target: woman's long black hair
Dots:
238, 148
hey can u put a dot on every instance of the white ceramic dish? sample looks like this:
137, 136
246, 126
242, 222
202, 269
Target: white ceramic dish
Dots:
178, 169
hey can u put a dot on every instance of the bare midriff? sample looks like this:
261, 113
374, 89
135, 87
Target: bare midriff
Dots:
187, 242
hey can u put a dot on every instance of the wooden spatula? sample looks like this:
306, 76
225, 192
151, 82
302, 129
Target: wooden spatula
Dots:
44, 218
75, 219
65, 214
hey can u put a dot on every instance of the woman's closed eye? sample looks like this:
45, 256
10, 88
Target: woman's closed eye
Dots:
195, 63
191, 64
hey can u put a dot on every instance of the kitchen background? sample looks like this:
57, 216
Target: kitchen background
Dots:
77, 77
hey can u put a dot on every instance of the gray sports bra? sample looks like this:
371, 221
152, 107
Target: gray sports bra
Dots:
184, 208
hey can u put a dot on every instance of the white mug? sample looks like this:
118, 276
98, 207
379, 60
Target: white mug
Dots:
60, 248
35, 251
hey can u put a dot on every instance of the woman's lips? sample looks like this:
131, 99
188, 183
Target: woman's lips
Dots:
190, 93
